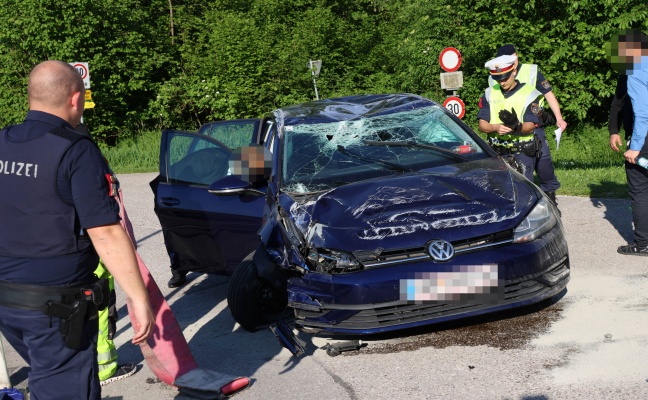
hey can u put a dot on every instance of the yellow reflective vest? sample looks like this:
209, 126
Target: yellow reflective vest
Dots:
519, 101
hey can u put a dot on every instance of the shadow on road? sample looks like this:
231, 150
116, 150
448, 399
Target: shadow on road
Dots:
617, 212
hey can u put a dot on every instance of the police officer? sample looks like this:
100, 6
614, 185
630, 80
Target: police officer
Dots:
509, 113
530, 74
57, 220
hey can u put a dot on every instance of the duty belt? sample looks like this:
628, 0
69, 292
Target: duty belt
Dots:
504, 150
35, 297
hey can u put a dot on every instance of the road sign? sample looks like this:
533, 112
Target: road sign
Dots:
455, 105
450, 59
451, 80
84, 71
88, 100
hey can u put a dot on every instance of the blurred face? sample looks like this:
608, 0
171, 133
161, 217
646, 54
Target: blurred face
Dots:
629, 51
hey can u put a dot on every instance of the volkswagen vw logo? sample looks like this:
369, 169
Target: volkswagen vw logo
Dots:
440, 250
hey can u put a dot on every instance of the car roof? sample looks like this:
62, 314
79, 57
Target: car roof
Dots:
349, 108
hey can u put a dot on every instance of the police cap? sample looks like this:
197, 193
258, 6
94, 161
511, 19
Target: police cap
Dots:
501, 67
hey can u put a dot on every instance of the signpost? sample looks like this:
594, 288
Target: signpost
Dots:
315, 67
452, 80
84, 71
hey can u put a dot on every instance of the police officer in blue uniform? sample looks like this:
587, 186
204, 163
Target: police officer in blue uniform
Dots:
510, 115
58, 218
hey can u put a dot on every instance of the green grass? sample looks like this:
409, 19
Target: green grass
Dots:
140, 154
585, 164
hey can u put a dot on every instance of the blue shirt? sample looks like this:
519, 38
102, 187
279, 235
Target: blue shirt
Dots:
638, 92
81, 181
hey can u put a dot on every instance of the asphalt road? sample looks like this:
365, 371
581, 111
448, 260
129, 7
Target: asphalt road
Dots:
589, 343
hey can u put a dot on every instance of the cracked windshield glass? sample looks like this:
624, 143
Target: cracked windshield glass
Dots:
322, 156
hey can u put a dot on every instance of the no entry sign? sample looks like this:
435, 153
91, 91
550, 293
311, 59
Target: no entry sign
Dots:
455, 105
450, 59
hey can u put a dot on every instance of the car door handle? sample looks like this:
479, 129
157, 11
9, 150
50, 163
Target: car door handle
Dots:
169, 201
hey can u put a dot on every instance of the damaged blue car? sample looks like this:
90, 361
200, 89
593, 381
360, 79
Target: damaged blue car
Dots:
361, 215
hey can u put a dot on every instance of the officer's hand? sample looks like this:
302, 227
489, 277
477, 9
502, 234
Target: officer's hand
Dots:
142, 320
510, 119
615, 142
562, 124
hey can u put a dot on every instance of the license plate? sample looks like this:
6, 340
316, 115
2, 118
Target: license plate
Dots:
464, 283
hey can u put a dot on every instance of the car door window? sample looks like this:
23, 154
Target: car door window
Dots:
195, 159
233, 134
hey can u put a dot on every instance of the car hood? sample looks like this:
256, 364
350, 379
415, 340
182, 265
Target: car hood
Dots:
410, 209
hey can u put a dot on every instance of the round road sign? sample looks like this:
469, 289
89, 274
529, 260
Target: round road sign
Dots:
82, 69
455, 105
450, 59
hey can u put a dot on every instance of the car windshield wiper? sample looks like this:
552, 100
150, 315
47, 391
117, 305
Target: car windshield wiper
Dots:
391, 165
410, 143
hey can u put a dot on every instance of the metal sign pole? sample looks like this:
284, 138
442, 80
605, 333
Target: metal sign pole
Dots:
314, 83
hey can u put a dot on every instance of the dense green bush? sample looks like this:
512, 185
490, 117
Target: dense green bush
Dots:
177, 63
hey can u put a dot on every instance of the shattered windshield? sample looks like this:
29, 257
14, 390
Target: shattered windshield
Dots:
326, 155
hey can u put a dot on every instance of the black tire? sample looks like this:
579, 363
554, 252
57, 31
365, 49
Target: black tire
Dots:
254, 302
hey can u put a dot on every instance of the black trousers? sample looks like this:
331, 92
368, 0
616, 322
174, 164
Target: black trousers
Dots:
638, 189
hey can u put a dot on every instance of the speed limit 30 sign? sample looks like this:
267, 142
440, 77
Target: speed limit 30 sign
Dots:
456, 106
84, 71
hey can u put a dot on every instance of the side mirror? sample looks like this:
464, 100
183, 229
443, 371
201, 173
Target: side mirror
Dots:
232, 185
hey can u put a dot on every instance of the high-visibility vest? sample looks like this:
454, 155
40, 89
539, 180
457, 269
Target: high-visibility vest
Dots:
519, 101
106, 350
528, 73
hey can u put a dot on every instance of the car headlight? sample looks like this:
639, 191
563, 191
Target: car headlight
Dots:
333, 262
539, 221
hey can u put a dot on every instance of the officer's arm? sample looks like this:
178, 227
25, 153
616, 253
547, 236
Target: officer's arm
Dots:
555, 108
116, 251
484, 117
527, 127
487, 127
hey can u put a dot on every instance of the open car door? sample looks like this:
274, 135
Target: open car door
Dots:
204, 232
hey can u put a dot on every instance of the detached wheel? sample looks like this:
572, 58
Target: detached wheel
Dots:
254, 302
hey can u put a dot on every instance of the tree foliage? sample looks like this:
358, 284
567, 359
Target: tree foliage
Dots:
177, 63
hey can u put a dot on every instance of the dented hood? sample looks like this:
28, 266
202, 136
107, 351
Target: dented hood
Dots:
452, 202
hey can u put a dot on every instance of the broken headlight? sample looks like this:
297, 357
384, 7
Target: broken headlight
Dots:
333, 262
539, 221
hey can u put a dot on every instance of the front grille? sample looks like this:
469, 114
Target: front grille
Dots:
381, 257
538, 286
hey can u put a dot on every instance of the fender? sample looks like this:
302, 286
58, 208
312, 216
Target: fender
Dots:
268, 270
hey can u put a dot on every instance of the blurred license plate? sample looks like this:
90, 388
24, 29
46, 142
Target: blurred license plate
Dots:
465, 283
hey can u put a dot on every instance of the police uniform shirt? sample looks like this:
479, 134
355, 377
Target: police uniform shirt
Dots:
484, 107
542, 84
81, 181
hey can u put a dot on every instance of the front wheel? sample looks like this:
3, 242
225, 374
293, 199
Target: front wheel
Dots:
254, 302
